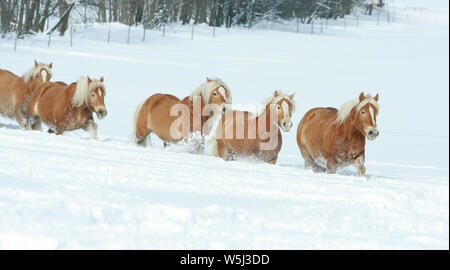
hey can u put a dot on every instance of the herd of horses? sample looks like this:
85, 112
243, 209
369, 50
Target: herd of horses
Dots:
328, 138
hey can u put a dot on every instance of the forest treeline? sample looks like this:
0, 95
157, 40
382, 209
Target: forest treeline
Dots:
30, 16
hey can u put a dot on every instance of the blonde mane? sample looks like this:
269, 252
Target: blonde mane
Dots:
347, 107
83, 89
275, 99
33, 71
205, 90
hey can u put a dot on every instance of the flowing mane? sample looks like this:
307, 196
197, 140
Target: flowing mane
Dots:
347, 107
83, 89
33, 71
274, 99
205, 90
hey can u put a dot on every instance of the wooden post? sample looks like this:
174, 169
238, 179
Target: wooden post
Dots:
128, 37
164, 30
109, 32
143, 36
378, 18
192, 32
15, 41
71, 32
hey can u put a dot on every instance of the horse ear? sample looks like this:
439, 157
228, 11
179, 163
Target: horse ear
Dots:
89, 80
101, 78
376, 97
276, 94
50, 65
208, 79
36, 64
361, 97
292, 96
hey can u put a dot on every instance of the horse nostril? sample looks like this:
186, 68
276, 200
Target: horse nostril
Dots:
370, 133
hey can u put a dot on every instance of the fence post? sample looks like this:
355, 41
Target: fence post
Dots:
312, 27
378, 18
298, 25
109, 32
49, 38
357, 20
71, 32
192, 32
143, 36
321, 26
128, 37
15, 42
164, 30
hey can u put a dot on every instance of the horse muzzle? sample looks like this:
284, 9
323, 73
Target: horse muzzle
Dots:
372, 134
286, 126
101, 113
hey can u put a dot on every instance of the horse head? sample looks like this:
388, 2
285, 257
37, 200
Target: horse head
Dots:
283, 106
365, 119
97, 97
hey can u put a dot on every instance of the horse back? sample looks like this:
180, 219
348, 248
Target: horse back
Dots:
316, 132
10, 83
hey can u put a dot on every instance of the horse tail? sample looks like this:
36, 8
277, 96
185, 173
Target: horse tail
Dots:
135, 122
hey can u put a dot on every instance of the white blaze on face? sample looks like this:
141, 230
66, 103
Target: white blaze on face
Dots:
287, 115
223, 92
44, 75
372, 116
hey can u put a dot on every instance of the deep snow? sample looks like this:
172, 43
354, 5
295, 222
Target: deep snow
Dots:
71, 192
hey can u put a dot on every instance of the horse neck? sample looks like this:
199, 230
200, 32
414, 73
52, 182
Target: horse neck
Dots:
71, 88
265, 115
32, 84
348, 128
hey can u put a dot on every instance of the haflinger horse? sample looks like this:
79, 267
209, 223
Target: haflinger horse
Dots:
15, 91
329, 138
241, 134
65, 107
160, 113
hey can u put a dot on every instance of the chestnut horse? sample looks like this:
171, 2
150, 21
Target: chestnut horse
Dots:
65, 107
242, 134
15, 91
329, 138
154, 114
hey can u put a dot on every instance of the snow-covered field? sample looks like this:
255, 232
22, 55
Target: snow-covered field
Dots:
69, 192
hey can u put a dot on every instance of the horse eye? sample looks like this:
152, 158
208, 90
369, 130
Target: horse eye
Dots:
92, 95
215, 94
363, 112
278, 107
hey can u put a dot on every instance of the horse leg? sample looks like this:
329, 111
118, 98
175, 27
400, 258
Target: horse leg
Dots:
92, 128
58, 131
20, 117
166, 144
331, 166
359, 164
309, 161
272, 161
34, 123
142, 132
50, 131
